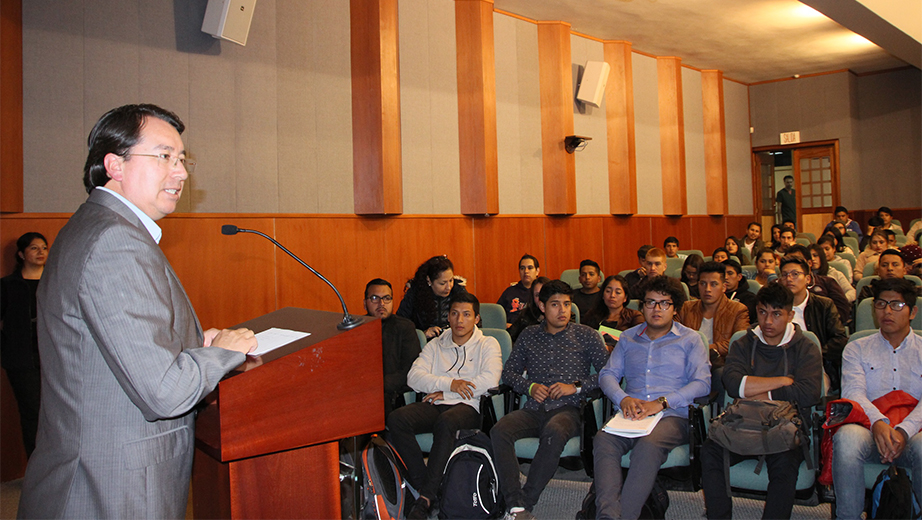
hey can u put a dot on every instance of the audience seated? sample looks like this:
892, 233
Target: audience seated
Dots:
878, 244
753, 240
773, 361
556, 356
765, 260
737, 288
671, 247
886, 215
776, 237
426, 301
515, 297
787, 239
734, 247
815, 313
452, 400
912, 255
820, 265
789, 223
873, 224
654, 265
665, 367
589, 294
890, 264
720, 254
832, 245
690, 274
841, 215
399, 343
824, 285
898, 351
633, 278
612, 310
912, 236
531, 314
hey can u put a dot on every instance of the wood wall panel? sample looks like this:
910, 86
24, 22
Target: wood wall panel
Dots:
715, 141
671, 226
708, 233
378, 183
556, 85
623, 236
672, 134
570, 241
13, 457
737, 225
477, 107
11, 106
619, 115
499, 243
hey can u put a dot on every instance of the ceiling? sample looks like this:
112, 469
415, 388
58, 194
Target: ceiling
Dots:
749, 40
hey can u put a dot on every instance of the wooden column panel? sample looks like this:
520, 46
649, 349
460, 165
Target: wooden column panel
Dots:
556, 78
11, 106
378, 182
672, 134
715, 141
477, 107
619, 113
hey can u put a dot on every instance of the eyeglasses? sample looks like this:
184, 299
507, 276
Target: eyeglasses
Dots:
654, 304
375, 298
895, 305
793, 275
164, 159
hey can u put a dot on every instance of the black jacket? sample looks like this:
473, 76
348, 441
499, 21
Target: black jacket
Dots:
410, 309
822, 319
18, 340
400, 348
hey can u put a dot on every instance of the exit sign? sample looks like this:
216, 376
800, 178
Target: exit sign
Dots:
790, 138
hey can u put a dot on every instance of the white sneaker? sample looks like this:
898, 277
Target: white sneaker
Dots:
518, 513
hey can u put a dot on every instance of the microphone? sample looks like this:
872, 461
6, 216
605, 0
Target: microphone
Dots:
349, 321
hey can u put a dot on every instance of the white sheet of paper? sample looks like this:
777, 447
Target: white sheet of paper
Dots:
624, 427
271, 339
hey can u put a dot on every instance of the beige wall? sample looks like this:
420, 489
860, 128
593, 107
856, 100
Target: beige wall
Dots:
693, 105
646, 136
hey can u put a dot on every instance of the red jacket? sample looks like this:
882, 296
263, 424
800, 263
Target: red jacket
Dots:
896, 405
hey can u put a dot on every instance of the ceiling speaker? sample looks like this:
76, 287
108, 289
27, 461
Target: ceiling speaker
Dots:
229, 19
592, 86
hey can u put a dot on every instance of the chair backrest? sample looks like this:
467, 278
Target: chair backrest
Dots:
864, 316
492, 315
852, 242
422, 339
915, 279
842, 266
897, 222
736, 258
708, 258
901, 240
864, 281
870, 269
504, 339
851, 259
750, 271
687, 292
674, 265
688, 252
754, 286
625, 272
571, 277
912, 223
809, 236
802, 241
574, 309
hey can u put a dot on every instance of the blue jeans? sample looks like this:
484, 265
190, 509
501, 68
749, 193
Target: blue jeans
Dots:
554, 428
853, 446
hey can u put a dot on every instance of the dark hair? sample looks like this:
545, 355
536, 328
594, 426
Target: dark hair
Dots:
879, 233
790, 230
786, 177
905, 288
793, 259
754, 223
527, 256
466, 297
600, 310
785, 222
774, 243
823, 269
377, 281
669, 286
891, 252
531, 311
884, 209
22, 243
720, 249
713, 267
642, 251
735, 240
554, 287
590, 263
117, 131
734, 264
694, 260
760, 252
839, 209
775, 295
836, 235
875, 221
669, 240
889, 233
419, 289
798, 248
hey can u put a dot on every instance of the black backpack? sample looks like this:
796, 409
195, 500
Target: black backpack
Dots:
470, 485
892, 496
653, 509
384, 486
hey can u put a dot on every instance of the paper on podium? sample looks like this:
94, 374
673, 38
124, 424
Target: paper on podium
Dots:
271, 339
623, 427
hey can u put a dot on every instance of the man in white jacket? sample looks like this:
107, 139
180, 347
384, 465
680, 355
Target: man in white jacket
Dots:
454, 370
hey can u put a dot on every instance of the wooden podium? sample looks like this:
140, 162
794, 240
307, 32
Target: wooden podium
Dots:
265, 441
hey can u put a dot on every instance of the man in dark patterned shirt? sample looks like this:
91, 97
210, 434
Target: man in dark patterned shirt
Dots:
556, 355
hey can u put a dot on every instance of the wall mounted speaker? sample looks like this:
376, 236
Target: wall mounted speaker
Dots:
229, 19
592, 86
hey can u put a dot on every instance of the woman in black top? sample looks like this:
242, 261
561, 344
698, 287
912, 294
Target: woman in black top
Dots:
612, 310
531, 314
19, 335
428, 295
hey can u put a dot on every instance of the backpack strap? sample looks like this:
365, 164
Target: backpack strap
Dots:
727, 470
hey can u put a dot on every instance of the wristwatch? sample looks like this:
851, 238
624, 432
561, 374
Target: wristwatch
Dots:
663, 401
578, 385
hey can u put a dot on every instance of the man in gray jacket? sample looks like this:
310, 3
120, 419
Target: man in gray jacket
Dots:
124, 359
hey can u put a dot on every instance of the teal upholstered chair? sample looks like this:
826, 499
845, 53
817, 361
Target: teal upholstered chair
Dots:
843, 267
864, 316
851, 260
492, 316
571, 276
852, 243
689, 252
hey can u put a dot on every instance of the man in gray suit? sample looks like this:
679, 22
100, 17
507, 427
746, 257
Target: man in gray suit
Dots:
124, 358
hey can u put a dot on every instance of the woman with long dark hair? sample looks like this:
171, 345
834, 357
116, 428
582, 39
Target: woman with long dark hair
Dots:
19, 334
531, 314
429, 294
819, 263
690, 273
612, 310
734, 246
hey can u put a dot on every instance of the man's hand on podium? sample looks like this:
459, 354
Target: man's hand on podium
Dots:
238, 340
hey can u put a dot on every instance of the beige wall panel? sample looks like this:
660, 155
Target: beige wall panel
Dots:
647, 136
696, 186
518, 116
591, 162
211, 134
54, 140
739, 157
429, 107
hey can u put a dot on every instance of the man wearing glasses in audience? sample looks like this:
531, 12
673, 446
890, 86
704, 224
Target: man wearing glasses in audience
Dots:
665, 366
399, 343
816, 314
872, 368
